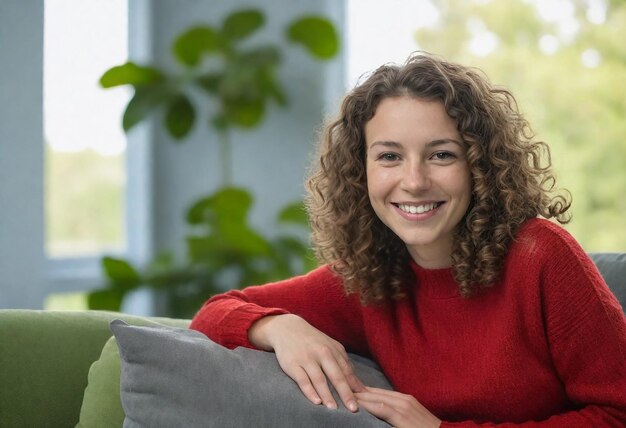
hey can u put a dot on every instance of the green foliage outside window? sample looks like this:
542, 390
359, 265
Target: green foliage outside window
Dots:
573, 93
83, 215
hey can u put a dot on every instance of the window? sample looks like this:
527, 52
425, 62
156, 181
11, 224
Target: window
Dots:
95, 204
85, 145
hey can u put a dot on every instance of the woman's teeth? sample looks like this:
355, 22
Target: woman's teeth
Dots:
418, 209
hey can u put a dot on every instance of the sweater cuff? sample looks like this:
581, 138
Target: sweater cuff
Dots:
234, 326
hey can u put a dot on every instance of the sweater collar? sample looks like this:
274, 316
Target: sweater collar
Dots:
435, 283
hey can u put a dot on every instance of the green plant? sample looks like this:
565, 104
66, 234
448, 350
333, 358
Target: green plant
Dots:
223, 250
240, 80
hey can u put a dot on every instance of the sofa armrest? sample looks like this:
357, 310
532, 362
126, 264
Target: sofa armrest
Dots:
44, 360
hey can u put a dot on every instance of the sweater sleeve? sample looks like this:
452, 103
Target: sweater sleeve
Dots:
318, 297
586, 334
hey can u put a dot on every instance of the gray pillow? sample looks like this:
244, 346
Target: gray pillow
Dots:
178, 377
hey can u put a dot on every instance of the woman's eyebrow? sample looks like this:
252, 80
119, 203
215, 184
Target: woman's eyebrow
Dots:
442, 141
434, 143
392, 144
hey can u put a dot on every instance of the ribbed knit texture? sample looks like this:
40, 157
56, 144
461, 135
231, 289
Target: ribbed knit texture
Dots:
545, 347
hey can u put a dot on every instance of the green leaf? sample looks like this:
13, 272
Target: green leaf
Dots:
243, 240
269, 86
220, 123
262, 56
198, 212
241, 24
210, 82
145, 100
227, 203
232, 203
121, 273
316, 34
130, 74
105, 300
189, 47
230, 241
245, 114
291, 248
180, 116
162, 262
294, 213
204, 248
226, 211
239, 84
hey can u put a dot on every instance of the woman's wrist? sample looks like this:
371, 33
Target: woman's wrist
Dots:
259, 332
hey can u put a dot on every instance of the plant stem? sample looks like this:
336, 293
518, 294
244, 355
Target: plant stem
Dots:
225, 157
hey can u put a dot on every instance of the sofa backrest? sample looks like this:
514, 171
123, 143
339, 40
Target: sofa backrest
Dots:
612, 267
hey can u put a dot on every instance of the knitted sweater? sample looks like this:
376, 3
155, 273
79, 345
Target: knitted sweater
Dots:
546, 346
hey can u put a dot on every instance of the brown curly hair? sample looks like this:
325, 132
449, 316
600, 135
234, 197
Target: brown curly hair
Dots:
511, 180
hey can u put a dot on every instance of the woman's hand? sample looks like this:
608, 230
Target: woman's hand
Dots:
309, 357
399, 410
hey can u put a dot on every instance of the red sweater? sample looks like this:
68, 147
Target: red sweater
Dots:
546, 346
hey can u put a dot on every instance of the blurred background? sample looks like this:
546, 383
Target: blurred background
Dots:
143, 211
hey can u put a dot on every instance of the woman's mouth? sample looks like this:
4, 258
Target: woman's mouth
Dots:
418, 208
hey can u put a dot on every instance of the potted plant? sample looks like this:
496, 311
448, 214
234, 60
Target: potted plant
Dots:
223, 250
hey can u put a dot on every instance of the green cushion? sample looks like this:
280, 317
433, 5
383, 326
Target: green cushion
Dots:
102, 407
101, 404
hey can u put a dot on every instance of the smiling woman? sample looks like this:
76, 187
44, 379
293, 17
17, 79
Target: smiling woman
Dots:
418, 178
430, 203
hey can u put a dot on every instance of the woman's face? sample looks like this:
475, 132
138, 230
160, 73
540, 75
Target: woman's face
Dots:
418, 179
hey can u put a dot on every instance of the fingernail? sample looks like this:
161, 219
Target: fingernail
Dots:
352, 406
332, 406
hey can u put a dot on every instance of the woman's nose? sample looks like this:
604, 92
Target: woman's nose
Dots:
416, 177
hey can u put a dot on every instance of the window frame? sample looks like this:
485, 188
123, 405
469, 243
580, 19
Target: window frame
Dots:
84, 273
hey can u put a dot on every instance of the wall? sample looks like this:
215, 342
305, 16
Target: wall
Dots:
271, 160
21, 154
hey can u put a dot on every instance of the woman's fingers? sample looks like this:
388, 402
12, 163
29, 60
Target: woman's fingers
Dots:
309, 357
347, 369
313, 377
400, 410
303, 381
380, 405
380, 391
318, 379
338, 371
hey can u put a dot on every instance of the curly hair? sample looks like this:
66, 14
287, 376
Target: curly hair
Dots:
511, 178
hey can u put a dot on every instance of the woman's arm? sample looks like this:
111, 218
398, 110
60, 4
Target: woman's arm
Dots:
304, 320
318, 297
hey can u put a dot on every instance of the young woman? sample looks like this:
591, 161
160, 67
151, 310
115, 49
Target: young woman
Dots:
425, 207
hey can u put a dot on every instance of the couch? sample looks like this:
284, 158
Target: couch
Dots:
46, 356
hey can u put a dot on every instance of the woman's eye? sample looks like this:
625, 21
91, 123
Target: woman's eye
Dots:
390, 157
443, 156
